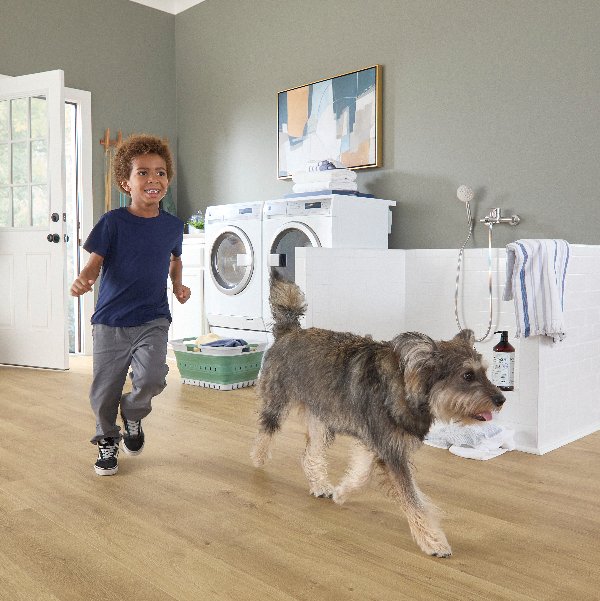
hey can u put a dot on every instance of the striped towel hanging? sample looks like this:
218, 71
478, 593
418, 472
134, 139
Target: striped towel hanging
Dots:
535, 278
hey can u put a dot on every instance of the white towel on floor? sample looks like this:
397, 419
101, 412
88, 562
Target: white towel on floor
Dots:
306, 177
536, 271
482, 442
328, 185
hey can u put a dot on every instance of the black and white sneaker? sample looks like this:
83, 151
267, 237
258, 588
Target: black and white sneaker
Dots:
133, 436
108, 451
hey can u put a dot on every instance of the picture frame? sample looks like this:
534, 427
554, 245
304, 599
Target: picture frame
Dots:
337, 118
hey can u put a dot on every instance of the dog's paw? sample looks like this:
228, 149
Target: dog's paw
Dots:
436, 546
322, 492
442, 554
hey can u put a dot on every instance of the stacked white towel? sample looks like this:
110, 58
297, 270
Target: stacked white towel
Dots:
312, 180
536, 271
482, 442
327, 185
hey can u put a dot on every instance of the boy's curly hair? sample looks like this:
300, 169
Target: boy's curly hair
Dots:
134, 146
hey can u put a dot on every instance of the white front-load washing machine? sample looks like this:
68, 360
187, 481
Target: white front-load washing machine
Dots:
331, 221
234, 270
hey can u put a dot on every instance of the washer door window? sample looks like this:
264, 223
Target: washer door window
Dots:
282, 258
231, 261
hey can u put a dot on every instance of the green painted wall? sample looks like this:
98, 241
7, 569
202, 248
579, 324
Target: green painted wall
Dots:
120, 51
498, 94
501, 95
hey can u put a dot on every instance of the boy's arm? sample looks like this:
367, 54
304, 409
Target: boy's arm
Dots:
88, 275
181, 292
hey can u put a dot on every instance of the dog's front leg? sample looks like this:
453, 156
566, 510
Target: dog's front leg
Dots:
314, 461
357, 474
421, 514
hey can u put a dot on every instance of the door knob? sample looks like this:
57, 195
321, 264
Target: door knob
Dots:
55, 217
53, 238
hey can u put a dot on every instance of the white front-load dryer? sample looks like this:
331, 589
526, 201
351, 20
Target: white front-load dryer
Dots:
331, 221
234, 268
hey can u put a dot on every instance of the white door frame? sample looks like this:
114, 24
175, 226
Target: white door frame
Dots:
83, 100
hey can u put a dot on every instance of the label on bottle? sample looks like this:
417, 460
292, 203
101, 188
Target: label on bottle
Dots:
503, 369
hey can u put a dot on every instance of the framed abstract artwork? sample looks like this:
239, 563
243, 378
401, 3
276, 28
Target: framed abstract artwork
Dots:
337, 118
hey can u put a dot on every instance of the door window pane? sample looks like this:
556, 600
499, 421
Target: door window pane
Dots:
21, 217
5, 220
3, 119
24, 162
20, 118
39, 162
39, 120
4, 171
20, 163
39, 205
73, 258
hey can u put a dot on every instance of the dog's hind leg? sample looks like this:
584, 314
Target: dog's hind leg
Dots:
275, 409
314, 462
421, 514
269, 423
260, 451
357, 474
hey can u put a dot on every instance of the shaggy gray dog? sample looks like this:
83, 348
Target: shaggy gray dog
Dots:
383, 394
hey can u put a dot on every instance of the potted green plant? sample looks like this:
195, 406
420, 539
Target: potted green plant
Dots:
195, 224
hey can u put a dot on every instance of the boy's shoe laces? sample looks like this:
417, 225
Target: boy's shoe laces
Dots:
106, 450
133, 437
133, 428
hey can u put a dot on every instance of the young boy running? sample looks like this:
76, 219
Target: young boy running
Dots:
136, 248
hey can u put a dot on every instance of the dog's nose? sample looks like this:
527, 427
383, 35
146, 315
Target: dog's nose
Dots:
498, 400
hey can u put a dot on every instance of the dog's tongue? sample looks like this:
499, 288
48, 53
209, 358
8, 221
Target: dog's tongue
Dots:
485, 416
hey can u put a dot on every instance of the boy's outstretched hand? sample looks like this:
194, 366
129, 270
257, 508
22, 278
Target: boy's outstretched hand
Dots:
81, 286
182, 293
88, 275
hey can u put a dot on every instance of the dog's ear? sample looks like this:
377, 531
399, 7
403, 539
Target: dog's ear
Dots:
467, 336
418, 357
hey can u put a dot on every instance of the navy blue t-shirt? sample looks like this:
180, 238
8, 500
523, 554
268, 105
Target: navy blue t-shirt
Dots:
137, 252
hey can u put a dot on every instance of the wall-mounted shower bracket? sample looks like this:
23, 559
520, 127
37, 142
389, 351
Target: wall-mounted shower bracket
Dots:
495, 216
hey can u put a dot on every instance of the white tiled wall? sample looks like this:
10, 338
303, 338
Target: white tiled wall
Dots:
360, 291
383, 292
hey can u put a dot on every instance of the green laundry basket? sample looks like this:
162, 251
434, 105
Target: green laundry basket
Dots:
222, 372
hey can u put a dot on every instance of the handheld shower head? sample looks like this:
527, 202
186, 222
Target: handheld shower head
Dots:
466, 194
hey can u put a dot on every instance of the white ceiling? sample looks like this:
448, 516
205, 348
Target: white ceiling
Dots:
169, 6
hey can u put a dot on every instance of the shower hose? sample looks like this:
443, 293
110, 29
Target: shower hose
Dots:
458, 271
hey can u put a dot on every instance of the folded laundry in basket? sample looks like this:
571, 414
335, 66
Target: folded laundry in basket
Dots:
227, 342
206, 338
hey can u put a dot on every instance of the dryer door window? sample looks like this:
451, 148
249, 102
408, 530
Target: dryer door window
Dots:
231, 261
282, 258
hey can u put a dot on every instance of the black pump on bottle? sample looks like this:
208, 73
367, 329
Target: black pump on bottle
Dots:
503, 368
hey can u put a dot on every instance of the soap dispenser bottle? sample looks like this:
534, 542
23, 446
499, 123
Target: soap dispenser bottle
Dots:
503, 368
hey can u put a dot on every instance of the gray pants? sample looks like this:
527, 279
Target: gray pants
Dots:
144, 349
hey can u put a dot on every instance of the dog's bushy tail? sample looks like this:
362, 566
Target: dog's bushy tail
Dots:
287, 305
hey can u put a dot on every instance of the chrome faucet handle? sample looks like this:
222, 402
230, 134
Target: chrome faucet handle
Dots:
495, 217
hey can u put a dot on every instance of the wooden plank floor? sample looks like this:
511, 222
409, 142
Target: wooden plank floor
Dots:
191, 519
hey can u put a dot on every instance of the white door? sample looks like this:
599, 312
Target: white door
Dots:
32, 223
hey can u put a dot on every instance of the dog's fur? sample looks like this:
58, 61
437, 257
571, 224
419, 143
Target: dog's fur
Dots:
383, 394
